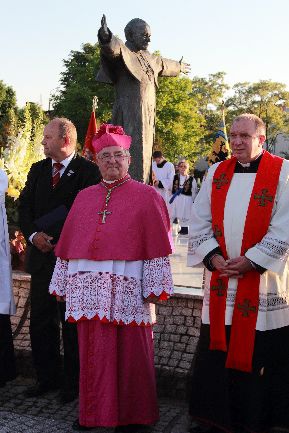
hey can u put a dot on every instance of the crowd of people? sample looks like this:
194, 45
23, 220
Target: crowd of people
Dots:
99, 247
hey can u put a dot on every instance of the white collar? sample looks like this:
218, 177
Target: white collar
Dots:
65, 161
247, 164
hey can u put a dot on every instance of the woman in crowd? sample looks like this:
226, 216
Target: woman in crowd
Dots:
184, 193
7, 306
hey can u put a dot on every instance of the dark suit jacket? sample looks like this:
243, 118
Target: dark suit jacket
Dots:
38, 198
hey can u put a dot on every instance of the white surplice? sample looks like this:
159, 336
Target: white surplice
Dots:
111, 290
165, 175
271, 252
7, 305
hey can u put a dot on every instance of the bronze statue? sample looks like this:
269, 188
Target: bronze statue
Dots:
134, 73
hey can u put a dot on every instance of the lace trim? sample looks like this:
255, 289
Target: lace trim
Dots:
196, 241
157, 277
274, 248
267, 302
59, 278
110, 297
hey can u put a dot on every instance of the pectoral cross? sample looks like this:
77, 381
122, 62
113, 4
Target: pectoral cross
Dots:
263, 197
246, 309
220, 181
104, 214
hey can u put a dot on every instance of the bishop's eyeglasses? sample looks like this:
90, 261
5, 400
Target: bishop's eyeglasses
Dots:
118, 156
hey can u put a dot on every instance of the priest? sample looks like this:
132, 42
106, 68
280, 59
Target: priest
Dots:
111, 263
239, 230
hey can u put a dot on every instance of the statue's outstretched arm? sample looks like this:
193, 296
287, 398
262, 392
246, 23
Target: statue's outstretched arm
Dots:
104, 34
185, 67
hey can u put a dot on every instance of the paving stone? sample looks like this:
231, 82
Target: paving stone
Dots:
46, 415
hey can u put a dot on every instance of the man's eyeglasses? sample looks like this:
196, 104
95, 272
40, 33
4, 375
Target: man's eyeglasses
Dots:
118, 156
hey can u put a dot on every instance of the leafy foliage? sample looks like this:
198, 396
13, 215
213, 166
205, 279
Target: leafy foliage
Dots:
209, 94
8, 113
21, 152
78, 86
178, 120
265, 99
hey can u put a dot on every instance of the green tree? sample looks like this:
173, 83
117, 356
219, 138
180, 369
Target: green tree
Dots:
178, 120
8, 113
22, 150
78, 86
265, 99
209, 94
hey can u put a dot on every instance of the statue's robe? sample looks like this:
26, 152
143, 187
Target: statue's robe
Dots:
135, 78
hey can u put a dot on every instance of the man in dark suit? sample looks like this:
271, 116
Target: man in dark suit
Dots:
51, 187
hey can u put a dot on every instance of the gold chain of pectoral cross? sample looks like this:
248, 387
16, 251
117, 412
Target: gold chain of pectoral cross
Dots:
105, 212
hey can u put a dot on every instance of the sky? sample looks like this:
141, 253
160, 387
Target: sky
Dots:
247, 39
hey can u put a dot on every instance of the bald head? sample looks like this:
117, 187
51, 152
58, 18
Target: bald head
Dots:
59, 139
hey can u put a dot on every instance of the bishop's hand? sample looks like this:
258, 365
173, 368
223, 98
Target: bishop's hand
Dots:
185, 67
104, 32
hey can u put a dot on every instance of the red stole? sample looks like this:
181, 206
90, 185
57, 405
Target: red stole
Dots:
258, 217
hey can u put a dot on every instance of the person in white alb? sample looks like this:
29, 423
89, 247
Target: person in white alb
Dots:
163, 173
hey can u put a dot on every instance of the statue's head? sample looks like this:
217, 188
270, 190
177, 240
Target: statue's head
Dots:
138, 33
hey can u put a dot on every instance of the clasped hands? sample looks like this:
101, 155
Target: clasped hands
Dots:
232, 268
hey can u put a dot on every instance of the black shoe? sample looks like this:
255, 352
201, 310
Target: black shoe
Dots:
122, 429
77, 426
68, 395
184, 231
197, 428
40, 388
133, 428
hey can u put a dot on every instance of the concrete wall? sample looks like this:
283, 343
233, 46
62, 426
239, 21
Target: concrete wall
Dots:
176, 336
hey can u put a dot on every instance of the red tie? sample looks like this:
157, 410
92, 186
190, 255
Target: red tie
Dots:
57, 166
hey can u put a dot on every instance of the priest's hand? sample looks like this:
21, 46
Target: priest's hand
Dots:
60, 298
240, 264
42, 241
104, 33
220, 264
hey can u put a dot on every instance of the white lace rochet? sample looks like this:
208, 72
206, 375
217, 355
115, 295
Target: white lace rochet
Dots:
109, 296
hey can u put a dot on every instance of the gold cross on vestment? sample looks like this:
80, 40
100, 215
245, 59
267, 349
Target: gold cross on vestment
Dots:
217, 231
220, 288
246, 308
104, 214
263, 197
220, 181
